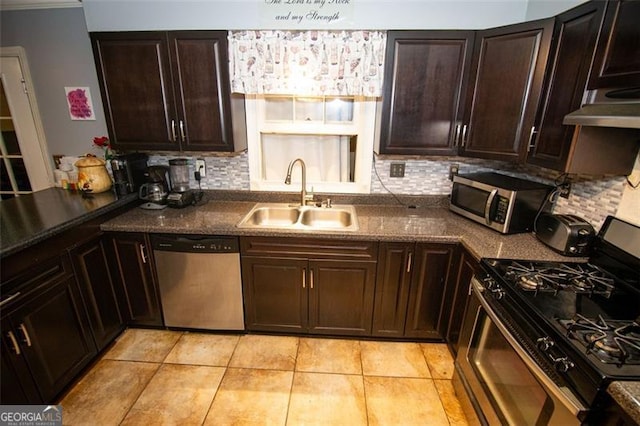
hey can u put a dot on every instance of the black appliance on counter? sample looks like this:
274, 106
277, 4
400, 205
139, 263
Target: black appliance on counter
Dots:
128, 172
541, 341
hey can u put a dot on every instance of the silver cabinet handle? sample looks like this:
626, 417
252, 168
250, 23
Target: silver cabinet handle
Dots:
10, 298
142, 255
464, 135
182, 134
173, 130
14, 342
304, 277
457, 135
409, 261
531, 138
311, 272
25, 333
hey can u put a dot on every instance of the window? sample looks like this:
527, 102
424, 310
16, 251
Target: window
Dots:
333, 135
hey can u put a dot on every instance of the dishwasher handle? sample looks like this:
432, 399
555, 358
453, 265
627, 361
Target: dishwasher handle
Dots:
195, 243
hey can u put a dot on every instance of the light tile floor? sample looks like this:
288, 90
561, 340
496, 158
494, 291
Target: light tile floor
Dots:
154, 377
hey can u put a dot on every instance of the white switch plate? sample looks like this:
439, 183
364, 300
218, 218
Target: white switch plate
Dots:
200, 166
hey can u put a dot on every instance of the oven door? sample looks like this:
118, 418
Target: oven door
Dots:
504, 382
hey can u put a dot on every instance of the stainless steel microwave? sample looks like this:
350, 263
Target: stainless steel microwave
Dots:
504, 203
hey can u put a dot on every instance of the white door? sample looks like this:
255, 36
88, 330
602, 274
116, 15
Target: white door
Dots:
24, 164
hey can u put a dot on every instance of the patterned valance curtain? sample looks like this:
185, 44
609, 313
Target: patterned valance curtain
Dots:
319, 63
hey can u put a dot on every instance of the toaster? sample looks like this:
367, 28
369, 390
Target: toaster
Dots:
567, 234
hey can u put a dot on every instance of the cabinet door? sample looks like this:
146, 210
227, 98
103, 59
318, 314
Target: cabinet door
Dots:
427, 72
135, 82
464, 273
275, 294
431, 269
18, 387
393, 279
617, 58
341, 297
54, 354
139, 293
509, 65
575, 37
199, 60
98, 289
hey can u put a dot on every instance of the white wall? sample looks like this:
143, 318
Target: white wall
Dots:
121, 15
59, 53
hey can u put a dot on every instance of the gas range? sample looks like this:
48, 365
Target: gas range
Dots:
583, 319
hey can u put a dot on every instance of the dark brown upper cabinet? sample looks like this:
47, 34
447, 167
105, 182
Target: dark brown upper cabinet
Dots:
509, 65
575, 37
165, 90
617, 57
424, 99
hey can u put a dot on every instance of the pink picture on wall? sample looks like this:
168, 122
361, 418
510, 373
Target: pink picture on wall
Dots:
80, 104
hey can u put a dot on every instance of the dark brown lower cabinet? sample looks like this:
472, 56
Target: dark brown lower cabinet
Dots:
133, 266
466, 267
98, 288
46, 336
308, 286
412, 279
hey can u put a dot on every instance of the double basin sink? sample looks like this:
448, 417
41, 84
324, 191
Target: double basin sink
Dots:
288, 216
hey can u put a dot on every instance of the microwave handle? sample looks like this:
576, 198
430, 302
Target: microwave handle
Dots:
487, 207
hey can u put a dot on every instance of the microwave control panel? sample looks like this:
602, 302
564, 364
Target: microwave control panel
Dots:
499, 214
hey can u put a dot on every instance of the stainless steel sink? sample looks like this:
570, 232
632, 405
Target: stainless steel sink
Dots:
272, 216
295, 217
327, 218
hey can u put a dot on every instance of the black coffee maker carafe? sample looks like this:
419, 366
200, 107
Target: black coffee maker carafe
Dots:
157, 188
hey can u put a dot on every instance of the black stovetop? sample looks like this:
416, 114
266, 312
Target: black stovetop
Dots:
579, 303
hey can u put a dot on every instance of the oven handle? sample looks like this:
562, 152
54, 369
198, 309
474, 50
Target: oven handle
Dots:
563, 394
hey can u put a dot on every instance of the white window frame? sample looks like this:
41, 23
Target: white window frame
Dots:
364, 115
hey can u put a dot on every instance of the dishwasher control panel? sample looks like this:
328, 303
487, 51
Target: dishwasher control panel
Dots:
195, 244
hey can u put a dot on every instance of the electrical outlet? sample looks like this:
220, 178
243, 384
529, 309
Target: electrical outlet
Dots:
201, 167
397, 170
453, 170
565, 189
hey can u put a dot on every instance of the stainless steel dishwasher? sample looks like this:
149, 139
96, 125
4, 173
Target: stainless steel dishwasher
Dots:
199, 280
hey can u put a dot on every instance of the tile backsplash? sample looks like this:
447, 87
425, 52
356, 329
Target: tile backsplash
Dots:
592, 197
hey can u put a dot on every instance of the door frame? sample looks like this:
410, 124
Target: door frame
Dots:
36, 155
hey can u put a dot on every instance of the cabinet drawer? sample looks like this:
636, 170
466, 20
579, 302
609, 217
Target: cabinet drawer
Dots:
49, 271
308, 248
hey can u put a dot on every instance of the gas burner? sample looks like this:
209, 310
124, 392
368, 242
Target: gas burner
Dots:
553, 277
529, 277
602, 342
610, 341
588, 278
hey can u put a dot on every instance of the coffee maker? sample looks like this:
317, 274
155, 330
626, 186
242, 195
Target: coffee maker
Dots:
157, 188
128, 172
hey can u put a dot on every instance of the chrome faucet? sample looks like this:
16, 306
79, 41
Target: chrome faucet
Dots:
287, 180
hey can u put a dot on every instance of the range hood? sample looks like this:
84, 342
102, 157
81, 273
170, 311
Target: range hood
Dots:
621, 115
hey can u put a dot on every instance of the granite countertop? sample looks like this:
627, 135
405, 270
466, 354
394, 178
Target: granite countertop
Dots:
627, 395
29, 219
427, 223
